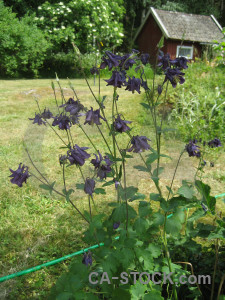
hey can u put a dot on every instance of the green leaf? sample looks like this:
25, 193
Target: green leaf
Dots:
161, 43
120, 293
141, 168
151, 158
145, 105
204, 189
164, 155
137, 196
80, 186
155, 172
48, 187
155, 250
100, 191
186, 191
109, 183
128, 193
144, 209
174, 224
138, 290
153, 295
140, 225
155, 197
120, 213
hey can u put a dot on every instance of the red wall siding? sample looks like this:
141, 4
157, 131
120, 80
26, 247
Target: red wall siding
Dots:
150, 36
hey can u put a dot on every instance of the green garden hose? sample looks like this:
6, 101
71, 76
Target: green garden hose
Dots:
53, 262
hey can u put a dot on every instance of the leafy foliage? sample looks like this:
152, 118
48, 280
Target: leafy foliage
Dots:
23, 46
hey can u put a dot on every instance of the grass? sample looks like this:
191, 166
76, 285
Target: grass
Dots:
36, 227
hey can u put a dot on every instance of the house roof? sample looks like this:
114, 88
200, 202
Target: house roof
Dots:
182, 26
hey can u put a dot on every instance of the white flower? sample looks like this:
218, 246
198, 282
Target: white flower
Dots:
60, 3
117, 41
39, 7
121, 34
93, 30
112, 13
63, 27
107, 26
116, 29
41, 18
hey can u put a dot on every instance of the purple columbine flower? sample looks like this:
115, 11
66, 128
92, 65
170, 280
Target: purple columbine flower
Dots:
116, 225
77, 155
94, 70
133, 85
214, 143
89, 186
92, 117
139, 144
192, 149
164, 60
103, 166
63, 121
113, 60
144, 58
160, 89
46, 114
121, 125
174, 76
117, 79
62, 159
180, 62
126, 61
144, 84
87, 258
20, 175
72, 106
38, 119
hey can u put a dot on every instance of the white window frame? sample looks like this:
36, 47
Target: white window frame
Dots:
185, 47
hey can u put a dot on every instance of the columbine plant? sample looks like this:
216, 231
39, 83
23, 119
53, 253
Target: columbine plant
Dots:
135, 240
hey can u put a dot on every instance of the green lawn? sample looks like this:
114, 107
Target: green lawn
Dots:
36, 227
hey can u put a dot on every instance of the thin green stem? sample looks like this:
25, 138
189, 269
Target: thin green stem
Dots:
88, 138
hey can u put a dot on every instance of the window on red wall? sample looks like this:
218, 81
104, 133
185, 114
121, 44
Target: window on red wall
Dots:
186, 51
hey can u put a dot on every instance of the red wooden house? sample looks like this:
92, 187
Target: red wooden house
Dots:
184, 34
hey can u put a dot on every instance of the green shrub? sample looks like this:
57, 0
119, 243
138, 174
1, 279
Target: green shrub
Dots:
22, 45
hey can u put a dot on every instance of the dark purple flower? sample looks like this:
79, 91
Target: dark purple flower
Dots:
174, 76
89, 186
214, 143
62, 159
20, 175
164, 60
63, 121
127, 62
117, 183
94, 70
46, 114
144, 58
139, 144
117, 79
204, 207
133, 84
87, 258
74, 119
92, 117
144, 84
103, 166
113, 60
72, 106
120, 125
192, 149
160, 89
38, 119
204, 163
180, 62
77, 155
116, 225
